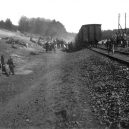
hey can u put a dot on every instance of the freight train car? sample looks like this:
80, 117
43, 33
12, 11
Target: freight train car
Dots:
88, 35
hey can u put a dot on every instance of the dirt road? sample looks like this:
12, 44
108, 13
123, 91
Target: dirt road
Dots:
55, 83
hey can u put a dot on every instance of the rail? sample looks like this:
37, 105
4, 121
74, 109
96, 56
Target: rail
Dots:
118, 56
124, 53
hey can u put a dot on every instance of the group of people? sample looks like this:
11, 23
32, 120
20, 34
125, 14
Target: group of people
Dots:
7, 68
110, 44
50, 47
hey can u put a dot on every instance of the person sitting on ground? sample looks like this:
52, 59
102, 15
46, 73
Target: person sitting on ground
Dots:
11, 65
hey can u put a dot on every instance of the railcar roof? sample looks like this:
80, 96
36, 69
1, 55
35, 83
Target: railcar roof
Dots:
92, 25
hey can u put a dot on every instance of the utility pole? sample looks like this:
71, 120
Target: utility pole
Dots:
118, 20
125, 23
119, 25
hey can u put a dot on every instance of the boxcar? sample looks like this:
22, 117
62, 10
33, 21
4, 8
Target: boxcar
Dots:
89, 35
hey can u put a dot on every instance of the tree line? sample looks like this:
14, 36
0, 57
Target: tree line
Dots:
41, 26
7, 24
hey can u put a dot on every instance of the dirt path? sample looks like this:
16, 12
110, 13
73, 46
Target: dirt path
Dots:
55, 85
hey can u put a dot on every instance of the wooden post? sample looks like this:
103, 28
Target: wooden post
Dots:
125, 23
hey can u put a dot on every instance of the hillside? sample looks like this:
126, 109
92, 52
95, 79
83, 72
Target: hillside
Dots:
18, 46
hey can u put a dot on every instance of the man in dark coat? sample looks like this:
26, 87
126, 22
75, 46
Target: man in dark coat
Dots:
11, 65
3, 64
47, 46
109, 45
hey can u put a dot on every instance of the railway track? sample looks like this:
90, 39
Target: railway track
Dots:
116, 51
121, 57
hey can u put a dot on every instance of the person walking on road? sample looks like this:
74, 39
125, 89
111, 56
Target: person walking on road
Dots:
11, 65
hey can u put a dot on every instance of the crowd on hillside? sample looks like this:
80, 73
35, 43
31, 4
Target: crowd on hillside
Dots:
7, 68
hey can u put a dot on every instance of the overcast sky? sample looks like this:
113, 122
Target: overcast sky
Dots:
72, 13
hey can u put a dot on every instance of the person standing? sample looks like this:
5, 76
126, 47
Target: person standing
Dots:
108, 45
2, 64
11, 65
113, 47
47, 46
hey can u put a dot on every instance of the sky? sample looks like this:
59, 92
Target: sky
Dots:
71, 13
